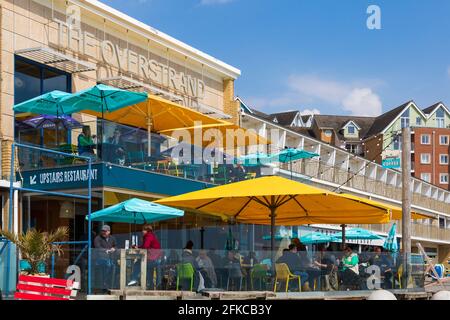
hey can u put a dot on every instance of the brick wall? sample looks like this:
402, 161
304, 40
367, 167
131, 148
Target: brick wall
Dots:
434, 148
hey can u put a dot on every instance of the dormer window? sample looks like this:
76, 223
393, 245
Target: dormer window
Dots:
440, 118
404, 119
351, 129
275, 120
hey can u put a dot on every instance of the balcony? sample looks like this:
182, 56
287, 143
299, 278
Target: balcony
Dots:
126, 147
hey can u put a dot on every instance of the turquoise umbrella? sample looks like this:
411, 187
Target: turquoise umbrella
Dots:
101, 98
315, 237
356, 234
47, 103
291, 154
391, 244
136, 211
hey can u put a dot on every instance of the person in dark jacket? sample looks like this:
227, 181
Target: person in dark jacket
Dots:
151, 243
385, 263
293, 261
104, 248
188, 257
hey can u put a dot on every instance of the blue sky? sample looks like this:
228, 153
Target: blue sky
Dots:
316, 54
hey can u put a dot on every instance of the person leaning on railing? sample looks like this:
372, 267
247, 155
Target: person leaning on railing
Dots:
86, 143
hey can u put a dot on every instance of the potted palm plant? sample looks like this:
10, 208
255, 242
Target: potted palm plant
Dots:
36, 247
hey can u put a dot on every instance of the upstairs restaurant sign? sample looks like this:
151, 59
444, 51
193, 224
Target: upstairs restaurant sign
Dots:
72, 36
61, 178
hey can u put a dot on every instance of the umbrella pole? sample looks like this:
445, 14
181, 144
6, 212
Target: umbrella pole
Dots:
343, 235
272, 234
57, 128
149, 131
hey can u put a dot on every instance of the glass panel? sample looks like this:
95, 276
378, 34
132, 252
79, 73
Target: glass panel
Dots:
27, 81
54, 81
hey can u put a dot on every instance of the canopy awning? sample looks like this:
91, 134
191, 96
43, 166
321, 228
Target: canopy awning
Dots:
56, 59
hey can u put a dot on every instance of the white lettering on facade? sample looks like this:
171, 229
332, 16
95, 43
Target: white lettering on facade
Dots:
127, 60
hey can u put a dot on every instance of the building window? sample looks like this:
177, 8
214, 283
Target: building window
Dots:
351, 129
404, 119
441, 222
440, 118
443, 178
418, 121
328, 133
443, 140
425, 158
443, 159
32, 79
425, 177
425, 139
397, 142
351, 147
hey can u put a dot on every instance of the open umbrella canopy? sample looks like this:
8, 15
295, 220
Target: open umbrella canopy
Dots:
51, 122
396, 211
292, 154
47, 103
103, 98
315, 237
274, 200
357, 234
136, 211
390, 243
294, 203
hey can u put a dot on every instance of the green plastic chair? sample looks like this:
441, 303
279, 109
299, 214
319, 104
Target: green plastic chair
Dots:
185, 271
259, 272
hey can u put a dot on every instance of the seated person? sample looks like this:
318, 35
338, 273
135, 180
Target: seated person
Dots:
349, 269
307, 265
293, 261
384, 262
205, 263
117, 151
86, 143
188, 257
326, 262
232, 268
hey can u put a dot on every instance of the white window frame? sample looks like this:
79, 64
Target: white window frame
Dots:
442, 175
440, 140
421, 158
440, 158
423, 136
418, 121
425, 174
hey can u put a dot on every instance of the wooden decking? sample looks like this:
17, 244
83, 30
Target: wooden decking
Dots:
134, 294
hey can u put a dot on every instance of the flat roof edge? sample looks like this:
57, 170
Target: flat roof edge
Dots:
165, 39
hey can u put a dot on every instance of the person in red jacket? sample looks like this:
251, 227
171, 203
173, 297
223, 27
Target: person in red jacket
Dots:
151, 243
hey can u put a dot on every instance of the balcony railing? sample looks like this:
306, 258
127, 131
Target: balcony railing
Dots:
357, 180
128, 146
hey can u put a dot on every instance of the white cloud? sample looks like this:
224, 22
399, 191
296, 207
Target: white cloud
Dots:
305, 89
213, 2
362, 102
